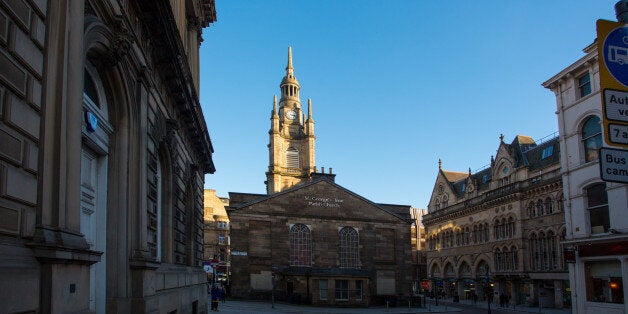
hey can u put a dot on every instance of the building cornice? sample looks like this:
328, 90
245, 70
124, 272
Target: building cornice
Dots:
174, 70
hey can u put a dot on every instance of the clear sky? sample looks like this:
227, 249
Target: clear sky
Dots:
395, 85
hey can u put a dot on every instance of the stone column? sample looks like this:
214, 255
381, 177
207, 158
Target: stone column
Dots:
57, 243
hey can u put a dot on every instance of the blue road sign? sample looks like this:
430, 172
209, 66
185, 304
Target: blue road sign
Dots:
616, 54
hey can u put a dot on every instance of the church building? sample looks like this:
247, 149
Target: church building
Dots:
309, 239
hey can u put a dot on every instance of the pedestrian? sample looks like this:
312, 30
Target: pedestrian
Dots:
475, 298
215, 297
223, 293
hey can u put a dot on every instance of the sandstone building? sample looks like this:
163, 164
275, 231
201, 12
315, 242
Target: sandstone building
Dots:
498, 231
103, 152
309, 239
595, 210
216, 236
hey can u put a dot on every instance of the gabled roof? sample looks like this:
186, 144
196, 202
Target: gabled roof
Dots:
453, 176
526, 153
388, 208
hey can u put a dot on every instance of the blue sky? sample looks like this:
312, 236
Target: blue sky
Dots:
395, 85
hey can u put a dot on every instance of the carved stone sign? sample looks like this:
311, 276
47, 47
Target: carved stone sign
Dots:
317, 201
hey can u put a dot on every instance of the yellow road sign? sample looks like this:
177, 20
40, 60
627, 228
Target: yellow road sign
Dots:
612, 45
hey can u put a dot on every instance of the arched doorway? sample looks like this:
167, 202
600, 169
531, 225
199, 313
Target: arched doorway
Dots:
95, 132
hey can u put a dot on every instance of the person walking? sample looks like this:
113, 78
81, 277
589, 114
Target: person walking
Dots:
216, 293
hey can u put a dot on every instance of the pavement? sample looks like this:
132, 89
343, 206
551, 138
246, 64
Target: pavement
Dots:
444, 306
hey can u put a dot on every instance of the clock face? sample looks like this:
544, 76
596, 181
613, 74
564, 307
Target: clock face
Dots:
291, 115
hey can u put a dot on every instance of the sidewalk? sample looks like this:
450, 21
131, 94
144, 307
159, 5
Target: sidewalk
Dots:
511, 308
444, 306
258, 307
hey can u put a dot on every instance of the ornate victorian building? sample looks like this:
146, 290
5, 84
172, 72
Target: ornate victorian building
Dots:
497, 232
103, 152
309, 239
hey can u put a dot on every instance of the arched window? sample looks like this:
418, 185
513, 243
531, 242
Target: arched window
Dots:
437, 203
549, 206
486, 233
506, 260
551, 243
475, 234
300, 245
559, 202
532, 210
445, 200
536, 255
597, 204
292, 158
158, 207
467, 236
349, 248
544, 251
591, 138
539, 208
515, 258
498, 260
458, 238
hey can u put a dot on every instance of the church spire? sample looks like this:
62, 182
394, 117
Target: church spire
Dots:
289, 68
289, 85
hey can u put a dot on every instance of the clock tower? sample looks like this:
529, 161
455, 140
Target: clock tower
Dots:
291, 147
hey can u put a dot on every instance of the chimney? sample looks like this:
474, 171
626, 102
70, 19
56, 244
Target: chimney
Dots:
621, 11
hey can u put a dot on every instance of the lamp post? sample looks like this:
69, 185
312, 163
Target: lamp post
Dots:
489, 293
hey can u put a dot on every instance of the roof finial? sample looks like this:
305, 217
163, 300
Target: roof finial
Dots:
501, 137
309, 108
274, 104
289, 68
440, 164
469, 171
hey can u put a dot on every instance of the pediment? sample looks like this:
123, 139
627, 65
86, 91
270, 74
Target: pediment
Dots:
321, 199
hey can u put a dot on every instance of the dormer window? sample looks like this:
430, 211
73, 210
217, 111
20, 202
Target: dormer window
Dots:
547, 152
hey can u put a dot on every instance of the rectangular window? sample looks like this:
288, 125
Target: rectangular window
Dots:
547, 152
342, 290
322, 289
584, 85
221, 239
358, 290
604, 282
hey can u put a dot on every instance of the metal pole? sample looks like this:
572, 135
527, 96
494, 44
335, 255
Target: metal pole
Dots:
489, 293
272, 293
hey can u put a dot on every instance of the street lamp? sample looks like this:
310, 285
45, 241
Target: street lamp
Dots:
489, 293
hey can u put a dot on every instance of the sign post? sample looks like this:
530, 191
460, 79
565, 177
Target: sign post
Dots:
214, 263
614, 165
613, 59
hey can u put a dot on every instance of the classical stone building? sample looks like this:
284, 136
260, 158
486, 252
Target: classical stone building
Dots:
498, 231
103, 152
595, 210
309, 239
216, 235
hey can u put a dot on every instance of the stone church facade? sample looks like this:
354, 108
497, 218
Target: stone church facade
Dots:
309, 239
499, 231
103, 152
